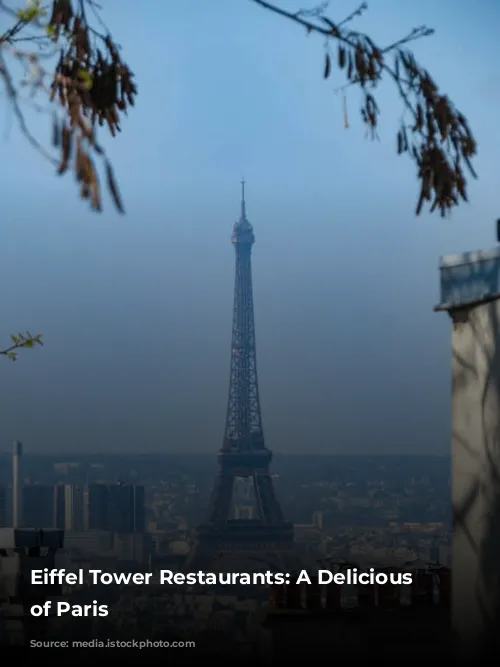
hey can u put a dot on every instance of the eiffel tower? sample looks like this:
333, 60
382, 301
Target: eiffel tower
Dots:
266, 538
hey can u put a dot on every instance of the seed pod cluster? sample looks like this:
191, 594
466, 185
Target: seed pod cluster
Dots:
440, 141
60, 18
93, 86
104, 85
438, 138
363, 59
363, 63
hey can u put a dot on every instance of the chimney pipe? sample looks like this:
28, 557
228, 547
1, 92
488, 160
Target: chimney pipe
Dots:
17, 482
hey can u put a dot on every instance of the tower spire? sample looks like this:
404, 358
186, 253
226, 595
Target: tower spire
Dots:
243, 203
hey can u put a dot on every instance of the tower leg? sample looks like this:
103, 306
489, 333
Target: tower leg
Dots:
270, 510
220, 502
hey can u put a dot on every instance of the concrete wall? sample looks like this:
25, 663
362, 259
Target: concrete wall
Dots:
476, 474
470, 293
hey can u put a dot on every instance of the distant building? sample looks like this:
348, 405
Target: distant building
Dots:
89, 541
318, 520
126, 509
445, 555
59, 506
38, 506
136, 547
20, 551
73, 508
117, 508
95, 507
114, 508
3, 506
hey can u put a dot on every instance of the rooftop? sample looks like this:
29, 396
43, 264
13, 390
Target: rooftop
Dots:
469, 279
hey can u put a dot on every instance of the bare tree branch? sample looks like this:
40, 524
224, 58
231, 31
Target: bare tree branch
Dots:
13, 97
438, 139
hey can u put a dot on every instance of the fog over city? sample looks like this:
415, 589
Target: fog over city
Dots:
136, 311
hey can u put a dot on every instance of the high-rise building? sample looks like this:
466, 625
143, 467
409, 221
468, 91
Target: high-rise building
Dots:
95, 507
38, 506
60, 506
126, 512
17, 484
73, 507
3, 506
118, 508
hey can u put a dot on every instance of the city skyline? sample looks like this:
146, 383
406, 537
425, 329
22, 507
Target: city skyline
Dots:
136, 312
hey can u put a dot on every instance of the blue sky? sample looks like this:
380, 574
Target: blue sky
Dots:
136, 310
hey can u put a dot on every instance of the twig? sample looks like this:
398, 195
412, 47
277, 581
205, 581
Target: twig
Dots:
12, 94
20, 341
351, 39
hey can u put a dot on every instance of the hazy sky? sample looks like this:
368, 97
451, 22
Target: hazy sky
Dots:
136, 310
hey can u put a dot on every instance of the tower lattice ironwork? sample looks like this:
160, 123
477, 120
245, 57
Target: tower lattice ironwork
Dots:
243, 453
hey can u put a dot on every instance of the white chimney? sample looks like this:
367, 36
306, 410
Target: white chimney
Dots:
17, 484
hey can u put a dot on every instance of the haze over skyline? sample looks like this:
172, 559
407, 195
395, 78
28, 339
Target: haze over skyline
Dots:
136, 311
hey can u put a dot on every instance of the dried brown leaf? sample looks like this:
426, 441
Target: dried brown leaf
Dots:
113, 188
56, 132
66, 145
341, 57
328, 66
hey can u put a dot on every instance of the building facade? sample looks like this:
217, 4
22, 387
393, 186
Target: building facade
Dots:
38, 506
22, 550
4, 510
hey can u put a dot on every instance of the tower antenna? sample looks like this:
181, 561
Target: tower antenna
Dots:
243, 203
